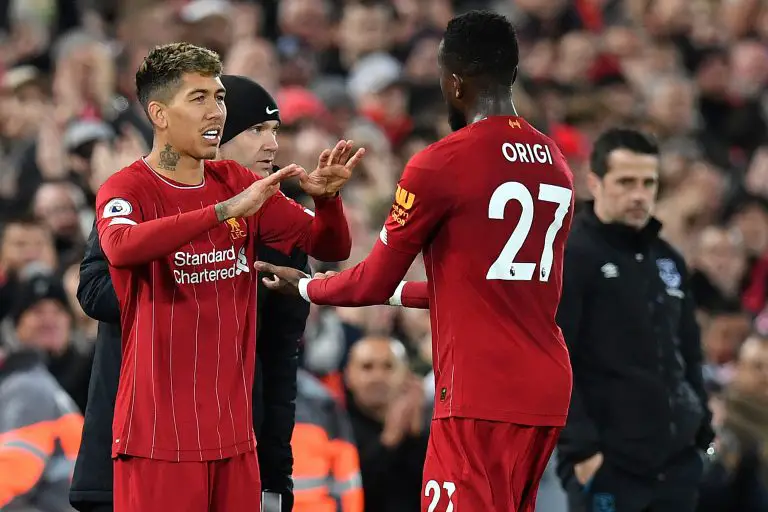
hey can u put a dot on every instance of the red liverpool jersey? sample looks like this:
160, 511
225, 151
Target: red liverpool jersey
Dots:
491, 206
187, 293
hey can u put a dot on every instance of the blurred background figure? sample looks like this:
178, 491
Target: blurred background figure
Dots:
694, 73
386, 406
738, 480
326, 472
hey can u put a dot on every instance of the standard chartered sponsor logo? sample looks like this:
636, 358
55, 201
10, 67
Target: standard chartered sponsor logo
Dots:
238, 264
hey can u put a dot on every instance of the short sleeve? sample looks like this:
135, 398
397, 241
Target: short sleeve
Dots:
418, 208
117, 203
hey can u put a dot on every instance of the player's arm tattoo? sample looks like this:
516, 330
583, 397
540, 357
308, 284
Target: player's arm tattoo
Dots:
221, 212
169, 157
224, 209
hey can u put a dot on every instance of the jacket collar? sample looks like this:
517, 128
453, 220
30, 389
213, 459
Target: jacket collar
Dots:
621, 234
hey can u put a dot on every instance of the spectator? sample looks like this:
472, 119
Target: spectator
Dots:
24, 242
723, 328
739, 478
386, 407
40, 430
43, 322
326, 473
719, 266
57, 205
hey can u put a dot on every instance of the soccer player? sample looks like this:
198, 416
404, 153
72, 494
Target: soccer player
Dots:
249, 138
490, 207
179, 233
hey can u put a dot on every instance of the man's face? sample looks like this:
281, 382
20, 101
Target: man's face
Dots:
365, 29
257, 60
24, 244
752, 369
752, 222
720, 256
722, 335
45, 325
55, 206
372, 372
673, 106
255, 148
627, 192
197, 107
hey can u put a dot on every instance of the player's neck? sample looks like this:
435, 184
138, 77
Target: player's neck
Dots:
173, 164
488, 105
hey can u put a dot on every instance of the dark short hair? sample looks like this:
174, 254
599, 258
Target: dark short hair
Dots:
26, 220
481, 44
620, 138
159, 76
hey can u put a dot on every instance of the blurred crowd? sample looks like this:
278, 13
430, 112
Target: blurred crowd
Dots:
692, 72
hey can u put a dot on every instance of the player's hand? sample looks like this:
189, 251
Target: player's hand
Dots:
586, 470
251, 199
284, 279
334, 168
324, 275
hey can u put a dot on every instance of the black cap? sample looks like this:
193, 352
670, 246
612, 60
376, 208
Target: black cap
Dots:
248, 104
35, 289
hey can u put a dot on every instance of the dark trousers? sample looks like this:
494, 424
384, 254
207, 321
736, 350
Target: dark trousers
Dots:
615, 490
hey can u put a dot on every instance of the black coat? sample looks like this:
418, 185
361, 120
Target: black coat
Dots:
274, 393
628, 318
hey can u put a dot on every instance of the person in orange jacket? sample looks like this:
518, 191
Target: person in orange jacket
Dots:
326, 467
40, 430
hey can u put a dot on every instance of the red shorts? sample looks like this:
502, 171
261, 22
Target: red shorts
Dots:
484, 466
227, 485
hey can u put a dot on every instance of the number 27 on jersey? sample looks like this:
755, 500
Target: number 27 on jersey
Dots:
505, 268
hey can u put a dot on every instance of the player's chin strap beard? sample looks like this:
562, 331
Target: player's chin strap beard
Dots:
169, 158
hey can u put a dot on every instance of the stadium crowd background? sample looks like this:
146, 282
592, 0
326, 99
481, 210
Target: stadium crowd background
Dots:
692, 72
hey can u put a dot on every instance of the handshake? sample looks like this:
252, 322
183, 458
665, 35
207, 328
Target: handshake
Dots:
334, 168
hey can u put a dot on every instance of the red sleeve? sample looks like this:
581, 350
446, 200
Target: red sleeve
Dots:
127, 239
420, 205
371, 282
411, 294
323, 234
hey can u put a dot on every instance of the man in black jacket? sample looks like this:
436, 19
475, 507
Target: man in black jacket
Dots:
638, 419
249, 137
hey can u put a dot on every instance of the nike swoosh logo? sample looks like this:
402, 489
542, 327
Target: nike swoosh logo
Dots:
270, 112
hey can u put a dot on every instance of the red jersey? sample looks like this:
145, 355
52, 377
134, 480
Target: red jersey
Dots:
490, 207
187, 293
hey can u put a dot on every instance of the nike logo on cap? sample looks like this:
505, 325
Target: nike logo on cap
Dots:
270, 112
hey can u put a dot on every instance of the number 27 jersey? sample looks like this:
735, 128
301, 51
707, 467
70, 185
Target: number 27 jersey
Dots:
490, 207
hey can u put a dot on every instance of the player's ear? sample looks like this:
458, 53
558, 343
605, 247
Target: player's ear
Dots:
158, 114
458, 86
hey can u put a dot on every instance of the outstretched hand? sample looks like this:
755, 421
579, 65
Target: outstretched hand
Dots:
334, 168
284, 279
251, 199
